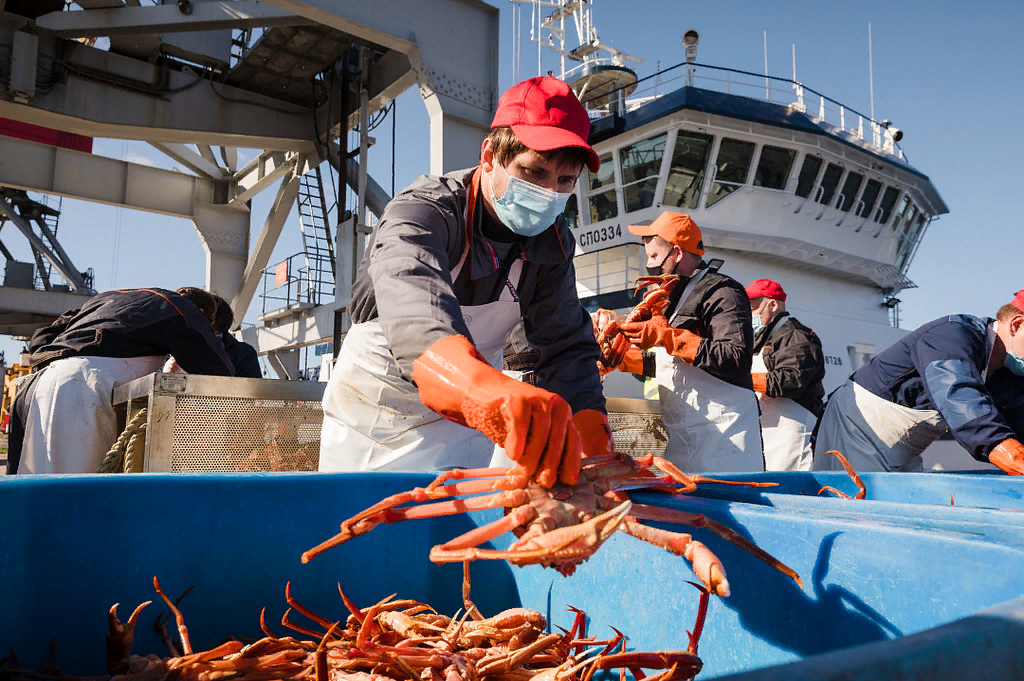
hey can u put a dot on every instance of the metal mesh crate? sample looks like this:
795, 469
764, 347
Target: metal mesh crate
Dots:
636, 426
206, 424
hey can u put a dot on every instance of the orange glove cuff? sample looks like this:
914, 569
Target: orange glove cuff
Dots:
594, 431
1008, 455
681, 343
633, 362
760, 382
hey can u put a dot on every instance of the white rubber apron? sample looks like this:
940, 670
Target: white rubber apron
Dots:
786, 429
70, 424
712, 425
874, 434
374, 419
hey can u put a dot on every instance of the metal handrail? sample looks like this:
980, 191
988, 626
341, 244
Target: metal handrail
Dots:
798, 98
301, 285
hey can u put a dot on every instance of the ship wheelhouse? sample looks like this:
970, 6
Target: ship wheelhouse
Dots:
763, 180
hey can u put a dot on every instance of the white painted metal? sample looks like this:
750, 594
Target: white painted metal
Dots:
59, 260
190, 159
224, 233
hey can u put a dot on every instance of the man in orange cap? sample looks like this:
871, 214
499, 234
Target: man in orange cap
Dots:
455, 263
959, 373
702, 354
787, 372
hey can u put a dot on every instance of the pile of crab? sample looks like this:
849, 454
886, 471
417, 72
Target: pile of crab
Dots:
392, 640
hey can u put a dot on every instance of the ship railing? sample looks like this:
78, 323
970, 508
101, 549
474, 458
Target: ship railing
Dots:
290, 283
843, 120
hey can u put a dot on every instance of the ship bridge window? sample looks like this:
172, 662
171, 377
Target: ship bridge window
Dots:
732, 167
601, 195
639, 165
910, 236
901, 211
850, 189
686, 174
808, 174
885, 207
829, 182
773, 167
867, 200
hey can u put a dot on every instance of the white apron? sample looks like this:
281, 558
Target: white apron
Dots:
786, 429
70, 423
874, 434
712, 425
374, 419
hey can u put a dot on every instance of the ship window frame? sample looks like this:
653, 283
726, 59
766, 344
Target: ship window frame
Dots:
843, 202
656, 175
815, 179
880, 217
819, 190
701, 176
863, 210
711, 199
756, 164
604, 189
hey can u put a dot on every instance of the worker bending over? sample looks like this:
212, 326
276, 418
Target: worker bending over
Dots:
243, 356
959, 372
787, 371
453, 265
62, 420
702, 358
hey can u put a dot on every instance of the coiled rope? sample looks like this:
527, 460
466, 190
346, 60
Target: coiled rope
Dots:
121, 457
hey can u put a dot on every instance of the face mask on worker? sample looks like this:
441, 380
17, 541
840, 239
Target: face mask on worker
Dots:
757, 323
1013, 361
525, 208
657, 270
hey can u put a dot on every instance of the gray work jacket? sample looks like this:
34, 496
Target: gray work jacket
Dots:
404, 282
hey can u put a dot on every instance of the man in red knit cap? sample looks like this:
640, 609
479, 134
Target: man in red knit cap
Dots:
455, 263
960, 373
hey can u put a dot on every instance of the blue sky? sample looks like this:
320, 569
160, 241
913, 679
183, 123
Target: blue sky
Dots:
958, 100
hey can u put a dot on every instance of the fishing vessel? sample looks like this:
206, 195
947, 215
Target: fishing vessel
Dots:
785, 182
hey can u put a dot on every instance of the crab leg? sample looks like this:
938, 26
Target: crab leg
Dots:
671, 515
853, 476
706, 565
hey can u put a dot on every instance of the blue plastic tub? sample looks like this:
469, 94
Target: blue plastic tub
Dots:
73, 546
979, 489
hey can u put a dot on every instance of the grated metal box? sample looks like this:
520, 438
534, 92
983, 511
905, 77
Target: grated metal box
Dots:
636, 426
209, 424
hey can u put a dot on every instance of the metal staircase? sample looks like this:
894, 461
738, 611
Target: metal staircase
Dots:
318, 244
51, 220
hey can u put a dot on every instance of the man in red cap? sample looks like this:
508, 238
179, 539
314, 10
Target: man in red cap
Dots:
959, 373
455, 263
701, 354
787, 372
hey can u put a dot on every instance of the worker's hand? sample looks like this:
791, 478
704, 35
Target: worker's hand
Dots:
1008, 455
632, 362
760, 382
595, 433
656, 332
533, 425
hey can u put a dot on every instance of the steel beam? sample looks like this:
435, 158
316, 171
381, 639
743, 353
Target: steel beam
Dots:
77, 175
66, 269
205, 16
47, 303
102, 94
261, 172
191, 160
309, 327
260, 257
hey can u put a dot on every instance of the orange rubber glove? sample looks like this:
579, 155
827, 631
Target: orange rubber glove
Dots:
656, 332
760, 382
1008, 455
594, 431
633, 362
533, 425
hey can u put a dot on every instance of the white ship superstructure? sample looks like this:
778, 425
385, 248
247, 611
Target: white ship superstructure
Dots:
784, 182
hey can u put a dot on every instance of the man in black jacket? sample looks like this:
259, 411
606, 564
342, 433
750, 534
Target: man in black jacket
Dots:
243, 356
787, 372
62, 420
703, 350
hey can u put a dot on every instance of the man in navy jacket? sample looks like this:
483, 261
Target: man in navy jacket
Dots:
960, 373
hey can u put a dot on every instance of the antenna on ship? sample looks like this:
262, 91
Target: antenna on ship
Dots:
600, 82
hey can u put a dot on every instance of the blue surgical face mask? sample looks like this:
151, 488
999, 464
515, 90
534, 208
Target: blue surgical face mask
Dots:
757, 324
1013, 362
525, 208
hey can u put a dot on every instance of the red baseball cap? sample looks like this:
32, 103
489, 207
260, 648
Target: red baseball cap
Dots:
545, 115
766, 288
1018, 301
